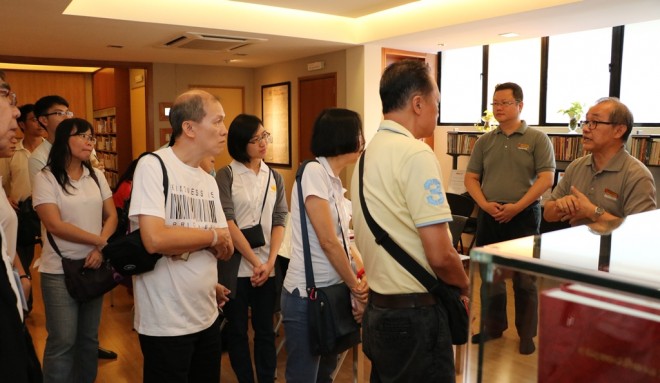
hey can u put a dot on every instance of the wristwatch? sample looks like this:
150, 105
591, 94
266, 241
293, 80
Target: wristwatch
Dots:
597, 213
29, 278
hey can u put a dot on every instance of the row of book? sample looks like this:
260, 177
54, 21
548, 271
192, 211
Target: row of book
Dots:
567, 148
112, 178
646, 149
105, 125
461, 143
109, 160
107, 143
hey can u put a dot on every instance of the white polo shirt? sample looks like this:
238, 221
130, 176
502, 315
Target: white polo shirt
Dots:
317, 180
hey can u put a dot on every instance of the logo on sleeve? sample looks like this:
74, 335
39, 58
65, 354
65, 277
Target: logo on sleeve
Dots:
435, 196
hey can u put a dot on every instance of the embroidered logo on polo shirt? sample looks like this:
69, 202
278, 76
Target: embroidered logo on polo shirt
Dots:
433, 187
611, 195
524, 147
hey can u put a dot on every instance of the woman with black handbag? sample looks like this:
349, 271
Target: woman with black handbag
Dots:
337, 141
253, 200
74, 202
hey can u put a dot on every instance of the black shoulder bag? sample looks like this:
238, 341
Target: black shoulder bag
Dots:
457, 312
329, 312
127, 254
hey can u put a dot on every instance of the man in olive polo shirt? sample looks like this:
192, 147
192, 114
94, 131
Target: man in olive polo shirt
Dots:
608, 182
509, 169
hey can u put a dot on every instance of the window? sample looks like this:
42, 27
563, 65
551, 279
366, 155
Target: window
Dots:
578, 70
640, 77
460, 88
519, 62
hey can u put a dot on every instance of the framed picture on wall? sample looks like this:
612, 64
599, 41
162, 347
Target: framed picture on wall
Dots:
276, 115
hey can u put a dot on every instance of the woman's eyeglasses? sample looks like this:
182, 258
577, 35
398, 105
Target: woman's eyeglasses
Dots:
264, 137
86, 137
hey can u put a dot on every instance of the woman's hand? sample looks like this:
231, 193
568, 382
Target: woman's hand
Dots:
94, 259
357, 309
261, 274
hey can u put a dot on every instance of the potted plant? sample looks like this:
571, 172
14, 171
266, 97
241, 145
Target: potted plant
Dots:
574, 112
488, 120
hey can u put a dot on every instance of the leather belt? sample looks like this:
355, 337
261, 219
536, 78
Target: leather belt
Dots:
402, 301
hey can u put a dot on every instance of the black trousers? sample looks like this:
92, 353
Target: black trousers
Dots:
493, 295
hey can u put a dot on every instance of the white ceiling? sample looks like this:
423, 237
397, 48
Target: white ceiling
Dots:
292, 29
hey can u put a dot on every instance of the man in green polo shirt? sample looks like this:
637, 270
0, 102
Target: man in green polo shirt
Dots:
509, 170
608, 182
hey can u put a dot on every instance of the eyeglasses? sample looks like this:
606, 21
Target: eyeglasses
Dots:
593, 124
86, 137
264, 137
503, 103
11, 96
61, 113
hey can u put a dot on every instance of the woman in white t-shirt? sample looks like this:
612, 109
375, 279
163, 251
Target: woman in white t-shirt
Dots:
251, 194
337, 141
74, 203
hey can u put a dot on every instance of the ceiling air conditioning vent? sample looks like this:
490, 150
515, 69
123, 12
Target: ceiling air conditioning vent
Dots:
209, 42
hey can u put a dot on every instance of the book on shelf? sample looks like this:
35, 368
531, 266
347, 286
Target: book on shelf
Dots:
592, 335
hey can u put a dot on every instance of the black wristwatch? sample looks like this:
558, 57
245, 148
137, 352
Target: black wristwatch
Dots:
28, 277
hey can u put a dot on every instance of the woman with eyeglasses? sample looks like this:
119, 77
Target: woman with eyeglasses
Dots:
253, 200
74, 202
337, 142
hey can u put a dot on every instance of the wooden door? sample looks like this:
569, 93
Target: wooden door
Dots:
316, 93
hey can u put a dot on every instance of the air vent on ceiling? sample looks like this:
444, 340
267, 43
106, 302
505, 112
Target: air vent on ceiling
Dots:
209, 42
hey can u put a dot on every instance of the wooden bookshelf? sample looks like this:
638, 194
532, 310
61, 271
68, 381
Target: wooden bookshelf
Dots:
646, 148
112, 122
567, 147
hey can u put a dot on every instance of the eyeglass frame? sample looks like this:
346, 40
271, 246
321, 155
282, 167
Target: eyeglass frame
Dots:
584, 123
61, 113
8, 94
264, 136
504, 103
89, 138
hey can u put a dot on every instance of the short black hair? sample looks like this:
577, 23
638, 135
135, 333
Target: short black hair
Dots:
402, 80
515, 89
25, 110
336, 131
43, 104
241, 131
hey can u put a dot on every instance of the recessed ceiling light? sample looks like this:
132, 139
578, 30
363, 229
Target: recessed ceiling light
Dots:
115, 46
509, 34
441, 44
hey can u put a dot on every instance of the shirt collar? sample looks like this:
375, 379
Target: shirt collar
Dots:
521, 129
614, 164
394, 127
240, 168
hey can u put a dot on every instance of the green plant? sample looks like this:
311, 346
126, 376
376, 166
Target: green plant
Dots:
574, 112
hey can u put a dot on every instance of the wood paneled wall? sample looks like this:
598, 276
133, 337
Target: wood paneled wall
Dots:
31, 86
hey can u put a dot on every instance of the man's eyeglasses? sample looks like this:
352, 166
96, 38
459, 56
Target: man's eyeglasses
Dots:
593, 124
61, 113
86, 137
11, 96
264, 137
503, 103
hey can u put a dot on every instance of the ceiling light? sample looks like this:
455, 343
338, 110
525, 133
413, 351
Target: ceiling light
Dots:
509, 34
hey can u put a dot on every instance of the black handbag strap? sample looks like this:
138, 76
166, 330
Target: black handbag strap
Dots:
383, 239
309, 273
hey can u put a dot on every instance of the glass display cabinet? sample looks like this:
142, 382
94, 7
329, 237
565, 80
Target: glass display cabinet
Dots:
598, 290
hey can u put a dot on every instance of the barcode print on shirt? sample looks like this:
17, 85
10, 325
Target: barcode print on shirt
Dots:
184, 208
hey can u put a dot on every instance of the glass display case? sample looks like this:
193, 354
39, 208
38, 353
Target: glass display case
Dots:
598, 293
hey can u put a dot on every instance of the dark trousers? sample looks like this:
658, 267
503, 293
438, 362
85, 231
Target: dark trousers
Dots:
408, 345
18, 361
192, 358
493, 295
262, 301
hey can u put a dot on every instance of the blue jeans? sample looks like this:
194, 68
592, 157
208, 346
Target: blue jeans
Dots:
71, 353
192, 358
301, 365
262, 301
408, 345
